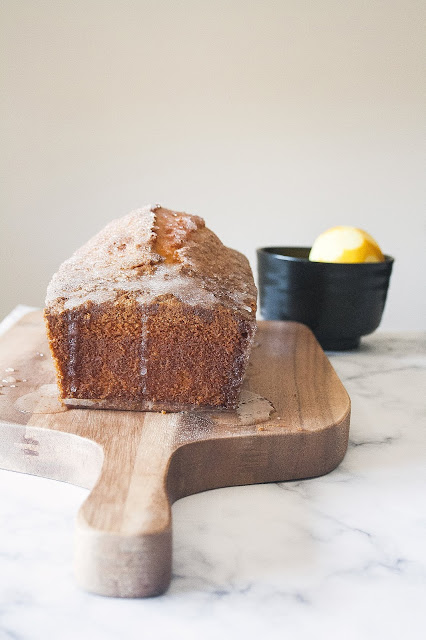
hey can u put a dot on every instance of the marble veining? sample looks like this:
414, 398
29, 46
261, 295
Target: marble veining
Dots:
341, 556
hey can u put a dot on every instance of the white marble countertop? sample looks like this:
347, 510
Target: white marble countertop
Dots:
341, 556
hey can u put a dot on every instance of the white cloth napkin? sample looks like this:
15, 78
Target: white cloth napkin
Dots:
14, 316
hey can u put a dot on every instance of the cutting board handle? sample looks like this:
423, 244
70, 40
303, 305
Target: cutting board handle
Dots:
123, 535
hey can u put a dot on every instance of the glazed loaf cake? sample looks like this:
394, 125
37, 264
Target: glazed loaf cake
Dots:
153, 313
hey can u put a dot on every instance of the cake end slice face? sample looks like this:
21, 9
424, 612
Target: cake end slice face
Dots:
169, 356
154, 313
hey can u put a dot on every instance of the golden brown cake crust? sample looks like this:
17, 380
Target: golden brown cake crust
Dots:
153, 313
195, 267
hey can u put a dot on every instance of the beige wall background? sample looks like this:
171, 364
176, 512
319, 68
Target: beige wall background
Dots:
272, 120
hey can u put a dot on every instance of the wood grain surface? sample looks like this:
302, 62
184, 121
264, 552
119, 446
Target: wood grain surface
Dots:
293, 423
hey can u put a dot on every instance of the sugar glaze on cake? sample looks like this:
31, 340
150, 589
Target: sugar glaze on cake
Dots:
152, 313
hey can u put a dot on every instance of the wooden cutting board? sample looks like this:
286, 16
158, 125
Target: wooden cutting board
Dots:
292, 423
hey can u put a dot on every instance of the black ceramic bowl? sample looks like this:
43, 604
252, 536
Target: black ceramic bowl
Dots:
339, 302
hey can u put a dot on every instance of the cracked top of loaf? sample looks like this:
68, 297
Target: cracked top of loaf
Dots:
153, 253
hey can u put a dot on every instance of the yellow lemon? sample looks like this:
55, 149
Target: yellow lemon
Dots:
345, 244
